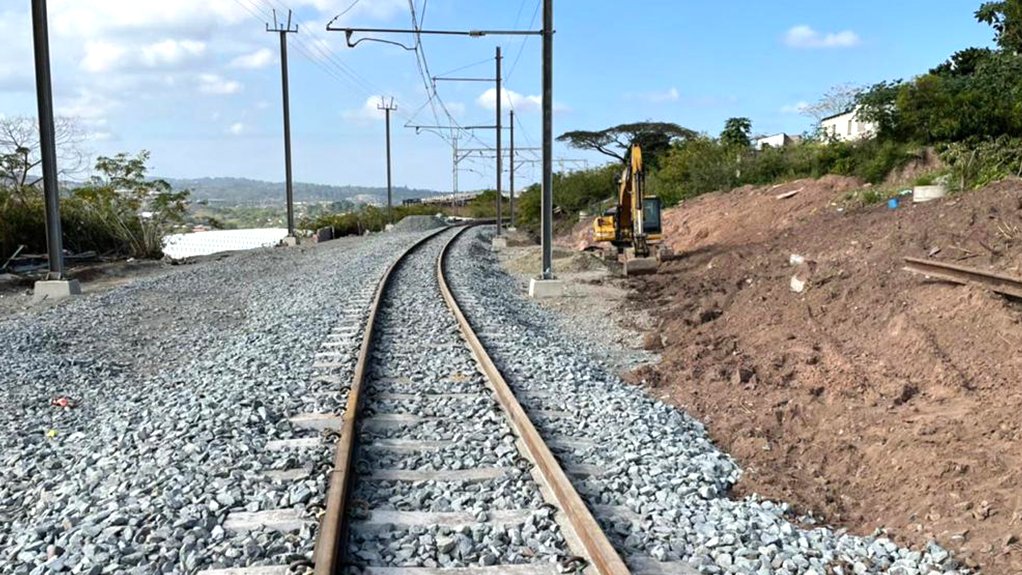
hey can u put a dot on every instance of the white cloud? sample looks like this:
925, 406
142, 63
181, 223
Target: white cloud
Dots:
16, 62
796, 108
171, 52
259, 59
90, 106
375, 10
509, 99
803, 36
92, 109
368, 111
521, 102
236, 129
217, 85
100, 18
669, 95
116, 60
102, 56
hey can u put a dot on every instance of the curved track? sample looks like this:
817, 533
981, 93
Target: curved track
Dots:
475, 446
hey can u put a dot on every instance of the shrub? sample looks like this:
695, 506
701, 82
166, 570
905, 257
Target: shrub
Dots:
362, 219
977, 163
120, 212
704, 165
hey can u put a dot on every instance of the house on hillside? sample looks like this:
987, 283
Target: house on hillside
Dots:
847, 127
775, 141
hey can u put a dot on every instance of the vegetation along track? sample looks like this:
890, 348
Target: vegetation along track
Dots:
437, 468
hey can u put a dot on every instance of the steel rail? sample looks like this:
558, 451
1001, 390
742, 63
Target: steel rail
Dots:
330, 549
599, 550
995, 282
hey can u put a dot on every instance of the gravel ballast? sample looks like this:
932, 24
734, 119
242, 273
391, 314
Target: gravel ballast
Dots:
650, 472
178, 385
418, 360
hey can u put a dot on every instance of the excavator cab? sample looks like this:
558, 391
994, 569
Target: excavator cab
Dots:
651, 216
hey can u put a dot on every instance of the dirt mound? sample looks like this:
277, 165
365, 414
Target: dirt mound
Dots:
581, 235
751, 214
875, 398
565, 261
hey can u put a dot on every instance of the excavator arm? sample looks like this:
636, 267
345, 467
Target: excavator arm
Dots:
633, 226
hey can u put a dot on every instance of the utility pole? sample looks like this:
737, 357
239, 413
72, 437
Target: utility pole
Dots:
284, 31
500, 165
388, 108
454, 164
547, 211
47, 139
511, 175
55, 286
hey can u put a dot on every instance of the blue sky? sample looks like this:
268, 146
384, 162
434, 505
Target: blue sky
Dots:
197, 81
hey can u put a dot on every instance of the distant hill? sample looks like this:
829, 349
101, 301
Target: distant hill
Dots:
246, 191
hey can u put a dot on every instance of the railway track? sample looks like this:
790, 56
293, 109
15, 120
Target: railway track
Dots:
437, 467
996, 282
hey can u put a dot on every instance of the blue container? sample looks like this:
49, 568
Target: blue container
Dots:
892, 203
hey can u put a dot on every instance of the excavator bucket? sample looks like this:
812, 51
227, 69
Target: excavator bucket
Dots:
641, 266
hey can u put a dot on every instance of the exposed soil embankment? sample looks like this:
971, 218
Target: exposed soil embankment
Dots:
874, 397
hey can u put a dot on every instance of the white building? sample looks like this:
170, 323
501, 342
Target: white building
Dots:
775, 141
847, 127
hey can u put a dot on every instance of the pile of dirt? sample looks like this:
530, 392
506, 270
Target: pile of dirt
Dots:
874, 398
565, 261
580, 237
419, 224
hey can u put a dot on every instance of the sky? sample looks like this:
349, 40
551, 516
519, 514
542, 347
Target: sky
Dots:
197, 82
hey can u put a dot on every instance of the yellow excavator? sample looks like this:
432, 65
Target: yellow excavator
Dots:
633, 226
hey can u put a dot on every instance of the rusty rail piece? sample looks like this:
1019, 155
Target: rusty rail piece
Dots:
329, 552
995, 282
601, 554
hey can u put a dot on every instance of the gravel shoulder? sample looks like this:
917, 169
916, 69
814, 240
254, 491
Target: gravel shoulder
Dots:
594, 306
649, 471
16, 292
177, 384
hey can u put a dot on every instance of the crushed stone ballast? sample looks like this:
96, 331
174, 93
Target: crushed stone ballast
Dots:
649, 472
184, 445
436, 468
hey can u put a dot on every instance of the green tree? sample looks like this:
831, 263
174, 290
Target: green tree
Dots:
736, 134
963, 63
134, 208
877, 105
1005, 17
695, 167
485, 205
654, 137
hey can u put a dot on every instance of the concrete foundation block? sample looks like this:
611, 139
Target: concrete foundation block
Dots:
499, 243
545, 288
289, 242
55, 290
